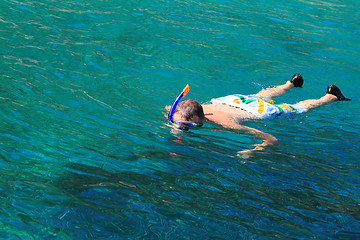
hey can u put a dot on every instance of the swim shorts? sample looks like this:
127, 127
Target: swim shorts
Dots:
259, 106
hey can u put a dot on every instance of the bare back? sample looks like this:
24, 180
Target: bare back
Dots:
220, 113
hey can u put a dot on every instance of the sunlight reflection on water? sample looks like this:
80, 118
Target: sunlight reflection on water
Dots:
85, 149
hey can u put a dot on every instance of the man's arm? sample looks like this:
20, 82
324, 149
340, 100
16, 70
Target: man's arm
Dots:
267, 139
225, 120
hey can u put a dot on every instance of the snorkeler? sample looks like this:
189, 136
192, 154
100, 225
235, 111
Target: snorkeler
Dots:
228, 111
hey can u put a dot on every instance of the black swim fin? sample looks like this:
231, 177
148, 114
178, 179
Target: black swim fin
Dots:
335, 90
297, 80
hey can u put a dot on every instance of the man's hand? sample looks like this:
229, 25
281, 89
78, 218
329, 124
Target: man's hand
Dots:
267, 139
249, 152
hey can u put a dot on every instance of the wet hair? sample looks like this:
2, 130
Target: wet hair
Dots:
190, 108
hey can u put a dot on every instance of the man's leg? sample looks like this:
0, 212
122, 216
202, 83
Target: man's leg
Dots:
276, 91
295, 81
314, 103
333, 93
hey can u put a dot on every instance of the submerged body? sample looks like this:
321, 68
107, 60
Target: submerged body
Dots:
230, 110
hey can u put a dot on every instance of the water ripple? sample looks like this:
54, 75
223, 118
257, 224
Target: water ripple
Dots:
84, 146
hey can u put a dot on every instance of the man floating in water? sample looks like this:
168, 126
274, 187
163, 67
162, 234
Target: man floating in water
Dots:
228, 111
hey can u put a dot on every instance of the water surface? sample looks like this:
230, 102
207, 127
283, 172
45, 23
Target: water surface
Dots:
85, 149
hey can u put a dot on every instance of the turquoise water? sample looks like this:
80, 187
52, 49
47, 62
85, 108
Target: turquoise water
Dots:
85, 149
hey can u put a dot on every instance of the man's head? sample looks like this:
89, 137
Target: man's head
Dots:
191, 110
